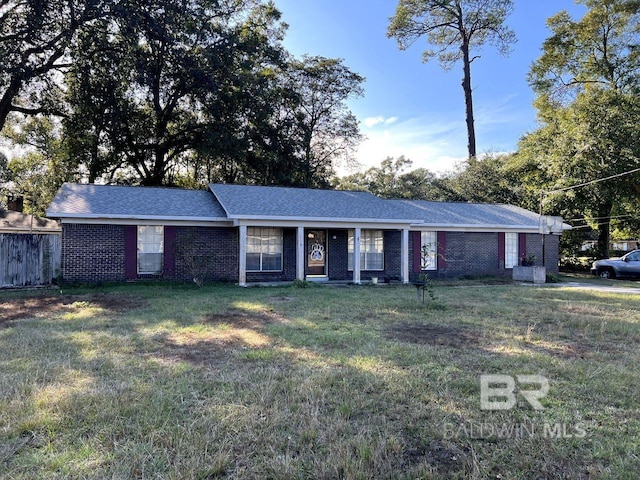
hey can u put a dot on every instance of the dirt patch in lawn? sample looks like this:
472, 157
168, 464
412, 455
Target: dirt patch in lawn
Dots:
207, 349
245, 319
42, 306
426, 334
281, 299
443, 459
233, 330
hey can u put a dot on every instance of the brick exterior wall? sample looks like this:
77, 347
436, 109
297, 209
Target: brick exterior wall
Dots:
392, 255
210, 253
338, 255
551, 250
96, 253
477, 253
472, 253
93, 253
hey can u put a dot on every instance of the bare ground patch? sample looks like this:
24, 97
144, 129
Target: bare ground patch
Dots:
427, 334
464, 337
239, 329
281, 299
443, 459
41, 306
244, 318
200, 352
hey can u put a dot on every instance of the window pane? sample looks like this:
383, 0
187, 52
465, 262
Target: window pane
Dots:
510, 250
264, 249
428, 252
150, 248
271, 262
375, 261
150, 263
253, 262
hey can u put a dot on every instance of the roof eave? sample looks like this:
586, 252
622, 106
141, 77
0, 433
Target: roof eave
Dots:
477, 227
174, 218
244, 218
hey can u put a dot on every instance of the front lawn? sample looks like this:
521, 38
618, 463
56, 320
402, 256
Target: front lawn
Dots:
354, 382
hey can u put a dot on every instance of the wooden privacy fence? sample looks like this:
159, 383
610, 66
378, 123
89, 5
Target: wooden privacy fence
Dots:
29, 259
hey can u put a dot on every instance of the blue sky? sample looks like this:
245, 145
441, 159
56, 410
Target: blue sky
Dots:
415, 109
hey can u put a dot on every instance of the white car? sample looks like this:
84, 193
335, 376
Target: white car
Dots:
626, 266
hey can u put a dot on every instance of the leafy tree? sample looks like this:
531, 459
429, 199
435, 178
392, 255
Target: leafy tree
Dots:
586, 84
295, 123
392, 179
35, 37
162, 92
492, 179
323, 128
163, 80
594, 137
37, 173
598, 51
454, 28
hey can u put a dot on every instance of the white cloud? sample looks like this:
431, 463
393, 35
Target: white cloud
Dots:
436, 144
373, 121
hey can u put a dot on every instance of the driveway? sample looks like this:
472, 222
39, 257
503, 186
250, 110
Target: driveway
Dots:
597, 288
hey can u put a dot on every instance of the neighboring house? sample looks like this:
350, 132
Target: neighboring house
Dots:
614, 245
18, 222
29, 249
248, 234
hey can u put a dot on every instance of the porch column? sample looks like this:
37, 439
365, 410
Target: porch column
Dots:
356, 256
242, 256
404, 256
300, 254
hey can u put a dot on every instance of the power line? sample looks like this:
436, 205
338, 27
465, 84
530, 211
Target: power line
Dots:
579, 227
615, 217
590, 182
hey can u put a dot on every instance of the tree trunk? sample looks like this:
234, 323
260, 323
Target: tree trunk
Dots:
468, 98
6, 100
602, 248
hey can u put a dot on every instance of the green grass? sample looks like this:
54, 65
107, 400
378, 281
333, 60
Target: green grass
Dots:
363, 382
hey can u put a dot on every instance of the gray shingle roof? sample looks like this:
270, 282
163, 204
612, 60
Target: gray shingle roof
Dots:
471, 214
242, 201
255, 202
114, 201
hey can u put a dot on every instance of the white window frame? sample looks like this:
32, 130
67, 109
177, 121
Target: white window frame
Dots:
511, 249
264, 241
371, 243
150, 241
430, 240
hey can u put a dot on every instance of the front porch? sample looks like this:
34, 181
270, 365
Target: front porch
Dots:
322, 253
